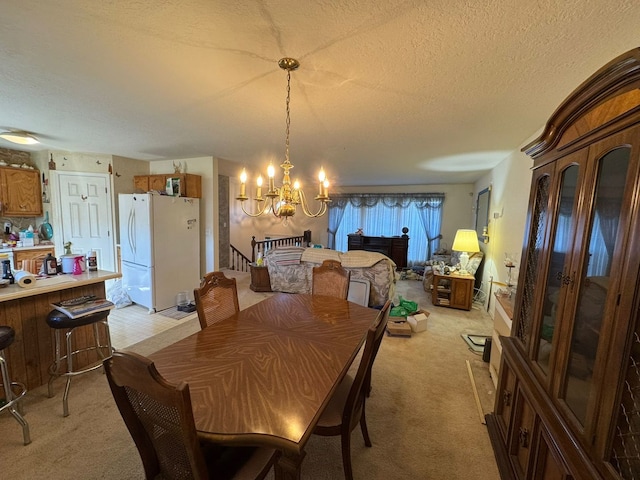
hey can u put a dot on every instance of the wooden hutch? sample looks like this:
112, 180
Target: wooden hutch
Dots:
568, 397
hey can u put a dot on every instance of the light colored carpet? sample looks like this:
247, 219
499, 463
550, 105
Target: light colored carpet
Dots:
422, 416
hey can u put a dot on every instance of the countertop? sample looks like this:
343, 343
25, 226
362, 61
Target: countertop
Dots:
56, 283
36, 247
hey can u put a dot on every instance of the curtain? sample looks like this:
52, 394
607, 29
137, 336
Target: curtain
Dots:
386, 215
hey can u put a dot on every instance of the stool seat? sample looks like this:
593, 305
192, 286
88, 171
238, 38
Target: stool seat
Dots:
13, 391
63, 365
7, 335
57, 319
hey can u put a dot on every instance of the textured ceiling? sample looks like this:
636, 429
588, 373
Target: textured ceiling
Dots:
388, 92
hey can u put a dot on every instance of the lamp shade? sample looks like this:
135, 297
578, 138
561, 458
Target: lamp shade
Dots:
466, 241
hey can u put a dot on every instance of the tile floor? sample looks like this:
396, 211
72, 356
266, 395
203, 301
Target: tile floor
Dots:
132, 324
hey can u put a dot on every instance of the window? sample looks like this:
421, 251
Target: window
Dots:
385, 215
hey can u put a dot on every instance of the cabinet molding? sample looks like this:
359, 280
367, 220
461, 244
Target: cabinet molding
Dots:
190, 185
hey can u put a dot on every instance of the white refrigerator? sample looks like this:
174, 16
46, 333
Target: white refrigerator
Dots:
159, 247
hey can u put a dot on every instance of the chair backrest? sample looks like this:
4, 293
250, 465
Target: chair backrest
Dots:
216, 299
158, 415
331, 279
362, 381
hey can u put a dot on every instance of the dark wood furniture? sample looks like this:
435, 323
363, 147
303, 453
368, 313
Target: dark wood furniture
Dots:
393, 247
452, 291
159, 417
252, 363
216, 298
25, 310
567, 400
260, 280
347, 406
330, 279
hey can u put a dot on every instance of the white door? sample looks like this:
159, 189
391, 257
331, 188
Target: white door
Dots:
85, 215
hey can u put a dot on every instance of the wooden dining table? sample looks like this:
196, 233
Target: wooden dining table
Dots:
264, 375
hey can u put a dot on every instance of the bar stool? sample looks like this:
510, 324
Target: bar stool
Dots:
7, 336
59, 322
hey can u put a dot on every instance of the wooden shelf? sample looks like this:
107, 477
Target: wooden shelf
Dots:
453, 291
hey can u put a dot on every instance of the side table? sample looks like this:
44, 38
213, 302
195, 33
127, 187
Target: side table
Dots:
260, 280
453, 290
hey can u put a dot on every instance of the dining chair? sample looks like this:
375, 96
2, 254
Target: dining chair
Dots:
159, 417
216, 299
347, 405
331, 279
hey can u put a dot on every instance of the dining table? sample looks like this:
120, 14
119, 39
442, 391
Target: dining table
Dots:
263, 376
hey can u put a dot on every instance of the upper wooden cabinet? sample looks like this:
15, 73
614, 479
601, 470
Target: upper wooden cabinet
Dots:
574, 348
20, 192
190, 185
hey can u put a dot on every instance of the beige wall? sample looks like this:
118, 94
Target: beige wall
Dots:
510, 182
457, 212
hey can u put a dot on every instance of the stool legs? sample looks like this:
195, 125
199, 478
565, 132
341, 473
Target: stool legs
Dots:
12, 400
55, 370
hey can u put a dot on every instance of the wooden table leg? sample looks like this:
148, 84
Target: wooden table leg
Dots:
288, 466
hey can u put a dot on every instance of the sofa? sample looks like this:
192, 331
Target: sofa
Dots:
291, 270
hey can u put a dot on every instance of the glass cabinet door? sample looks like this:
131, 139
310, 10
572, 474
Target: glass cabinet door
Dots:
559, 248
590, 284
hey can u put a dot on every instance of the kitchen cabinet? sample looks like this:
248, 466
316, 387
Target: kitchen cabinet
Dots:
569, 366
20, 192
190, 185
35, 254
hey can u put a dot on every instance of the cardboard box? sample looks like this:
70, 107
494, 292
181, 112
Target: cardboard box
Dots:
398, 329
417, 322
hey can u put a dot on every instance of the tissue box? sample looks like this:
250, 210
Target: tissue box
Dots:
418, 322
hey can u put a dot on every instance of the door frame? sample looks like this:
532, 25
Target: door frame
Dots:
56, 208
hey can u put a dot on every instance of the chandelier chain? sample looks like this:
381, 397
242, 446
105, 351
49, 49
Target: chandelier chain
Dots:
288, 120
282, 200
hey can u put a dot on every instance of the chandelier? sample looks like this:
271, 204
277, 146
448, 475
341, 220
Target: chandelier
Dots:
282, 201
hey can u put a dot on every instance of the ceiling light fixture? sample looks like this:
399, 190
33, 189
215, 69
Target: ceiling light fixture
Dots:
22, 138
282, 201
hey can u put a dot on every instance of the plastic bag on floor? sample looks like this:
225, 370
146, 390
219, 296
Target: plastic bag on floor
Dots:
117, 295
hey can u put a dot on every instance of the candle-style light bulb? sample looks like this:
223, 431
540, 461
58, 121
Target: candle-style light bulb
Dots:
271, 172
325, 184
296, 185
243, 181
321, 177
259, 190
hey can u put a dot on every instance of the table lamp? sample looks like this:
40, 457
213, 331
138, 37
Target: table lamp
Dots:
465, 241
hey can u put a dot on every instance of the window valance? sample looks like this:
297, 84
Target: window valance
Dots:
370, 200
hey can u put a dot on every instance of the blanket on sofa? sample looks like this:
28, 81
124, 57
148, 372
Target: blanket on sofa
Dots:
291, 270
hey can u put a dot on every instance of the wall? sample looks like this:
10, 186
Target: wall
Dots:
510, 181
457, 212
